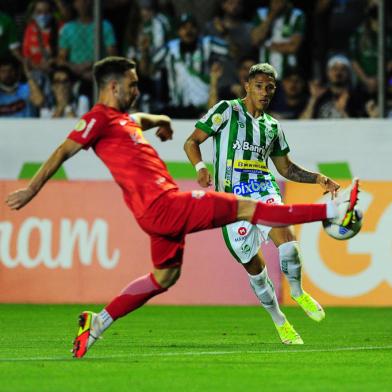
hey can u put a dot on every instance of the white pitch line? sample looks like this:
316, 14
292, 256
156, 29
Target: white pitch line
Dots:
204, 353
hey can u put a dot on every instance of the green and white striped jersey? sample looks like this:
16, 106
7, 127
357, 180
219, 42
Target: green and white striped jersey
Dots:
291, 22
242, 145
188, 71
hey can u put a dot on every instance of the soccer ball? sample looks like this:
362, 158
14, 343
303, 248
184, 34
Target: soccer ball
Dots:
344, 233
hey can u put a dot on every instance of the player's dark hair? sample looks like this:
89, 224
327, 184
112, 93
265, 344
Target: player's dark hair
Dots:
262, 68
112, 67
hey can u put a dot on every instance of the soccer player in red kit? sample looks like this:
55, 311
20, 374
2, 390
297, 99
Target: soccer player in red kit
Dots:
162, 211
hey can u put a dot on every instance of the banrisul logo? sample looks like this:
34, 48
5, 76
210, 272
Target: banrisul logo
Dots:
246, 146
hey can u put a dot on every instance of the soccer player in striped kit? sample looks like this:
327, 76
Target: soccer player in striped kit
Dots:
162, 211
245, 137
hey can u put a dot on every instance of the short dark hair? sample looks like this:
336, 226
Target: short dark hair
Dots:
11, 61
262, 68
112, 67
61, 68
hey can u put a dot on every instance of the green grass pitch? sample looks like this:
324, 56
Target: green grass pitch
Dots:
196, 348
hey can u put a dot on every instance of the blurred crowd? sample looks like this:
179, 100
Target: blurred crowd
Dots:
191, 54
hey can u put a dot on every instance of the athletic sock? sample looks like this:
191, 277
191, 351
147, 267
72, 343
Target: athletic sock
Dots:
286, 215
264, 290
137, 293
106, 319
290, 264
332, 209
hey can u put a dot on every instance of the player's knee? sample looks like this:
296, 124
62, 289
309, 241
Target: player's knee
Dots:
290, 251
167, 277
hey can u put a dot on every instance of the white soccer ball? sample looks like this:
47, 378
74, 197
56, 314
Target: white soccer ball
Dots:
344, 233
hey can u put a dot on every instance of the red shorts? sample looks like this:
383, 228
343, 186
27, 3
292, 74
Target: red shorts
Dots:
175, 214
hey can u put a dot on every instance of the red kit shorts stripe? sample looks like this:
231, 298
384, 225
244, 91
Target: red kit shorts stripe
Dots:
175, 214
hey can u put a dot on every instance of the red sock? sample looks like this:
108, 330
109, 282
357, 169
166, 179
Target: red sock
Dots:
280, 215
137, 293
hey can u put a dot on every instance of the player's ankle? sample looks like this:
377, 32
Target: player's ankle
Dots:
332, 209
105, 319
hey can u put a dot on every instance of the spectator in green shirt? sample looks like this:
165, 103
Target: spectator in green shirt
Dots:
9, 43
76, 43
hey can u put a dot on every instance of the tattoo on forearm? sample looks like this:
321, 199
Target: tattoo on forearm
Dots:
298, 174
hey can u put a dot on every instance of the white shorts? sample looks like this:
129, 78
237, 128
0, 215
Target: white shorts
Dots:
244, 239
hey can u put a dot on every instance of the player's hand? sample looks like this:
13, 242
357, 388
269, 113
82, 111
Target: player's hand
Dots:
164, 133
204, 178
328, 185
19, 198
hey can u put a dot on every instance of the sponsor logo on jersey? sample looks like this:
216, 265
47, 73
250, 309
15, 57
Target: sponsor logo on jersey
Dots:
242, 230
198, 194
245, 248
217, 119
241, 124
247, 166
80, 125
252, 186
272, 201
160, 180
89, 128
228, 172
136, 135
246, 146
270, 133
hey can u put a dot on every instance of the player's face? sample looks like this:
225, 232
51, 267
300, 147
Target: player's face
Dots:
127, 90
260, 91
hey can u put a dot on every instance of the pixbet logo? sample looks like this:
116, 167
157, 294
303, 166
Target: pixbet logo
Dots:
376, 244
252, 186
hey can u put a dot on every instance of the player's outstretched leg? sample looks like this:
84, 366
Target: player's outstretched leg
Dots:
291, 266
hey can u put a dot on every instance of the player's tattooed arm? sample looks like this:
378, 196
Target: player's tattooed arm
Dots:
298, 174
290, 170
294, 172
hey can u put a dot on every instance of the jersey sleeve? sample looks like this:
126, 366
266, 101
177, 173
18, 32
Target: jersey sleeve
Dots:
215, 119
88, 129
281, 147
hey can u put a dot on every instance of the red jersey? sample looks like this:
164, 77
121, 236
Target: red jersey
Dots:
119, 142
31, 47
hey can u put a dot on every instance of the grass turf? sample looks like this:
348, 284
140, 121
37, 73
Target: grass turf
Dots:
168, 348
